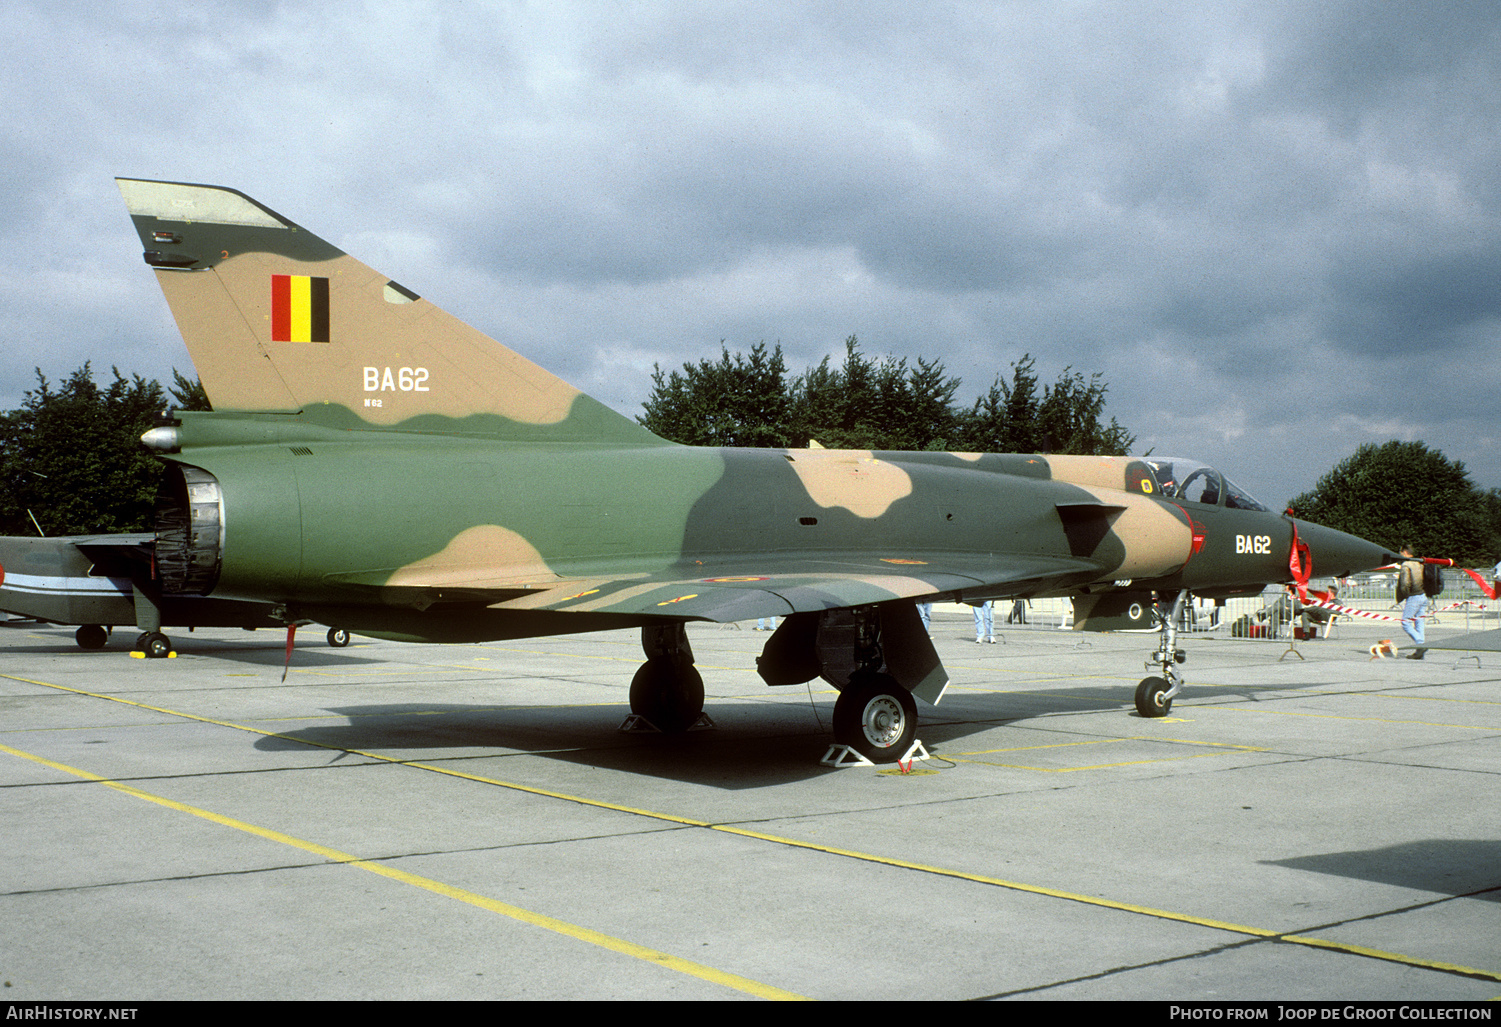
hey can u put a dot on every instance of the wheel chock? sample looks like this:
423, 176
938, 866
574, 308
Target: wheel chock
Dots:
844, 756
637, 724
912, 755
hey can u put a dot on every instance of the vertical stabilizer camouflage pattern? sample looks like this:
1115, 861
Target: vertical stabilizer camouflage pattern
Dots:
277, 319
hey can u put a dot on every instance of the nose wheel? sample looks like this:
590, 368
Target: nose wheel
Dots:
1154, 696
154, 645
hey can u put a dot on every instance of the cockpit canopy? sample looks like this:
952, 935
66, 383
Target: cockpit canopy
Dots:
1193, 482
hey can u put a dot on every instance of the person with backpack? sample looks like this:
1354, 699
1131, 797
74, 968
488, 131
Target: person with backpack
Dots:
1413, 599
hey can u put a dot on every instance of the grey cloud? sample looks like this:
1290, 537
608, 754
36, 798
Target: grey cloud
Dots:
1243, 213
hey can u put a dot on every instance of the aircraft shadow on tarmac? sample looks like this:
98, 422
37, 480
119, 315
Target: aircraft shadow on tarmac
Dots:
763, 745
755, 744
1446, 866
274, 656
975, 703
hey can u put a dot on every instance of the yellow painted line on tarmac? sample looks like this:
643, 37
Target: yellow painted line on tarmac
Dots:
970, 757
379, 758
579, 656
1361, 950
1126, 907
866, 857
1429, 698
584, 934
1373, 720
1088, 766
1108, 741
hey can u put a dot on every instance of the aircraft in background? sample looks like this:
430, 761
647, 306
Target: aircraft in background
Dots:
99, 582
373, 462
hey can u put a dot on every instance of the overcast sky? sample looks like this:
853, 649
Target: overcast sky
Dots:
1273, 227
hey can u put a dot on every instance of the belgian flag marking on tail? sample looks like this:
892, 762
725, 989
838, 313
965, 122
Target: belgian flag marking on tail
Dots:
299, 308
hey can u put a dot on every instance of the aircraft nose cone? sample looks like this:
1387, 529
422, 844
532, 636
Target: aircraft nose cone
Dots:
1336, 554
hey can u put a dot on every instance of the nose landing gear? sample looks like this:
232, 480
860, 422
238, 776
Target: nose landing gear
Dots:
1154, 696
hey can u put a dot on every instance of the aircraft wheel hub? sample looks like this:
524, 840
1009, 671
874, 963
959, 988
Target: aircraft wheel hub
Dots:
883, 721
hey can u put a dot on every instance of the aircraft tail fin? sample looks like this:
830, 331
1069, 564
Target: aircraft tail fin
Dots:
278, 320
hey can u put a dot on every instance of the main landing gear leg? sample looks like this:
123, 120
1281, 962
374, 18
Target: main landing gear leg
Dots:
667, 693
151, 644
1154, 696
874, 716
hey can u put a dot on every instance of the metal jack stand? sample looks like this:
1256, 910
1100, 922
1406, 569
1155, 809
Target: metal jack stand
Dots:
1292, 647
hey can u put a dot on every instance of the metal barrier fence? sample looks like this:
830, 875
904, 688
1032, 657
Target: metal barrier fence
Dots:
1274, 616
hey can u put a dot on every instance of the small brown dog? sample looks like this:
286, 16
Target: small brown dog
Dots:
1383, 648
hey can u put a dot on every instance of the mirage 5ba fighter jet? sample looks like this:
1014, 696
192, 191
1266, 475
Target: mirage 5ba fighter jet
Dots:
375, 463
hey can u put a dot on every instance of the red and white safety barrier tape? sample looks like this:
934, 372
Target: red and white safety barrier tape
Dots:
1348, 611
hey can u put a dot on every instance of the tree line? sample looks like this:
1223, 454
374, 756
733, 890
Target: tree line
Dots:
866, 402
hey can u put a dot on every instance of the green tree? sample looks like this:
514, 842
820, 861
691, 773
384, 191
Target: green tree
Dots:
71, 457
870, 403
1011, 418
1068, 418
190, 395
1403, 493
732, 402
1493, 524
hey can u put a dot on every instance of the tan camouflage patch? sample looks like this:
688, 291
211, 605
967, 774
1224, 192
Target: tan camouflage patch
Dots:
386, 361
899, 586
1156, 541
1106, 472
487, 556
853, 479
232, 363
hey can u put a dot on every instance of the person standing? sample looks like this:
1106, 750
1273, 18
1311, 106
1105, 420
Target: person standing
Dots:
984, 623
1414, 601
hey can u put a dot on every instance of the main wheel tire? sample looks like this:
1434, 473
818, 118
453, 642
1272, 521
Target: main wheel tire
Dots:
1151, 697
156, 645
669, 693
338, 637
91, 636
876, 717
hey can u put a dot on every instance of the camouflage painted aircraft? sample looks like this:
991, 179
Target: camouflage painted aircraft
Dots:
373, 462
